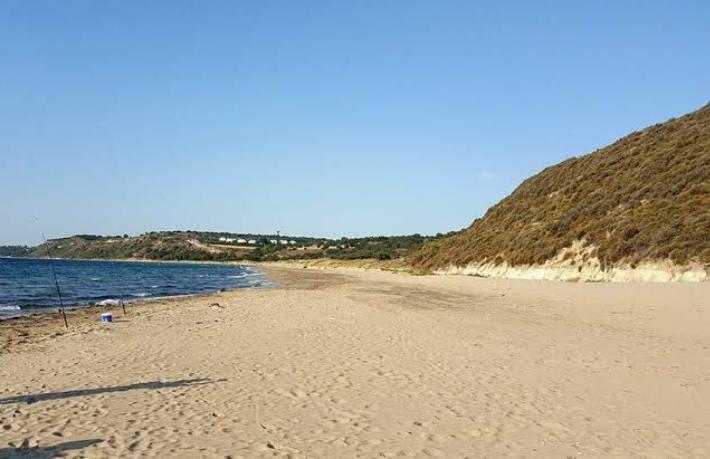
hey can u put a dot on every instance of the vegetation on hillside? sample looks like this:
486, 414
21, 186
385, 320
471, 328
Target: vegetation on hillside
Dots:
14, 251
645, 197
212, 246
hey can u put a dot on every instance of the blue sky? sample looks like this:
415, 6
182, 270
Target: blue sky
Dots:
319, 118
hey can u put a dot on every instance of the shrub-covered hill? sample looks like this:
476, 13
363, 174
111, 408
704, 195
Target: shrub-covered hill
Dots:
154, 246
211, 246
644, 198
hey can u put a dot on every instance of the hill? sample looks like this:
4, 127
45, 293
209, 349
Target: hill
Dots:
14, 251
215, 246
641, 202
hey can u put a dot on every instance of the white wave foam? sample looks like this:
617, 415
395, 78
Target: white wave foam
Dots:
242, 276
10, 307
141, 294
109, 302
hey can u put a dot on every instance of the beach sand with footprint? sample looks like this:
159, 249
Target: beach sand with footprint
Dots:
366, 363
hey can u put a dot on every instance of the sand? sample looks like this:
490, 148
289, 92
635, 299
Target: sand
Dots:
365, 363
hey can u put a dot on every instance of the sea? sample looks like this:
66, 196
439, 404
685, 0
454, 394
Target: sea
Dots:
27, 285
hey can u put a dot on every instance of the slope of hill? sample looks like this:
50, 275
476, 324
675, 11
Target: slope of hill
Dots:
14, 251
637, 209
211, 246
152, 246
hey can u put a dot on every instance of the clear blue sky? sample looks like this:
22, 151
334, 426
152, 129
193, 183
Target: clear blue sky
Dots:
327, 118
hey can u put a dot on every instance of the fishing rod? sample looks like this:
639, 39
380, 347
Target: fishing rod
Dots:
56, 284
120, 290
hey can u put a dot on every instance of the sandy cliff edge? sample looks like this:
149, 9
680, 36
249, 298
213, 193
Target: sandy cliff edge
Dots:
660, 271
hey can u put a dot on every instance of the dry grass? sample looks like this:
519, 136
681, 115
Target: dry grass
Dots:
645, 197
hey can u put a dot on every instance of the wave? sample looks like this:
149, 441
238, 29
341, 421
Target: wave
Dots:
108, 302
85, 283
245, 275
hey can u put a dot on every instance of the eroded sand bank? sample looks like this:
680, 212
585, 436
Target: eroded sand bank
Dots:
366, 364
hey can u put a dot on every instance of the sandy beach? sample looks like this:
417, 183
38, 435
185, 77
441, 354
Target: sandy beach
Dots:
368, 363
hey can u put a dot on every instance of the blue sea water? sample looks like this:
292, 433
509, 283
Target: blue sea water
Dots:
27, 285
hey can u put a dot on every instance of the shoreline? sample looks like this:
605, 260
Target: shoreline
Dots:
72, 307
648, 272
43, 325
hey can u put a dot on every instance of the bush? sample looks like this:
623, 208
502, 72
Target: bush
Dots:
643, 197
